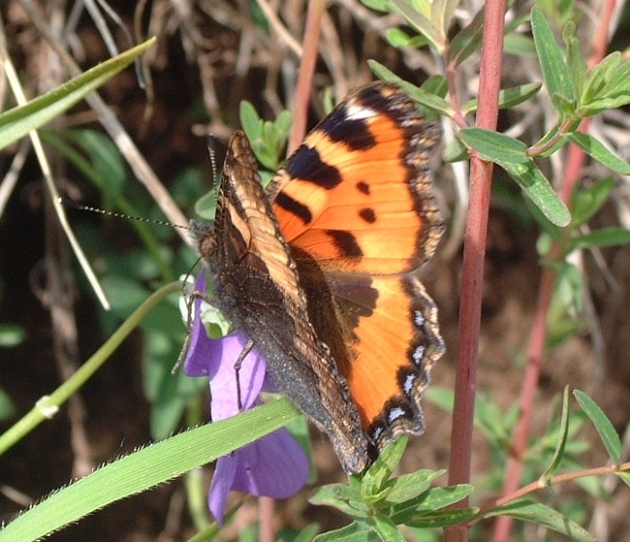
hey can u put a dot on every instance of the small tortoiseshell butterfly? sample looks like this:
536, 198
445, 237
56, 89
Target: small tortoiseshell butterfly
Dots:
321, 269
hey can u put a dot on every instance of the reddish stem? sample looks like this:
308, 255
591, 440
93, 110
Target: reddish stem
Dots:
474, 253
314, 15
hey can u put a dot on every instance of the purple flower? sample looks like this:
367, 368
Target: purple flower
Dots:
273, 466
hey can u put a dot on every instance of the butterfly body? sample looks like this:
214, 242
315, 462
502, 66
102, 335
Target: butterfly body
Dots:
321, 269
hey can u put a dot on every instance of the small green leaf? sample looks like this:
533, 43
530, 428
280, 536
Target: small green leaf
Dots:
355, 532
344, 498
424, 98
20, 120
625, 477
442, 518
550, 57
508, 97
604, 237
602, 423
410, 512
250, 121
11, 335
421, 23
576, 65
597, 78
379, 5
586, 201
409, 486
596, 150
374, 485
384, 528
540, 514
519, 45
493, 146
538, 190
563, 435
398, 38
7, 406
467, 40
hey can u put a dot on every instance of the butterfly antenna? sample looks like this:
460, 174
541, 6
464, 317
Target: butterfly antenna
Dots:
212, 152
70, 203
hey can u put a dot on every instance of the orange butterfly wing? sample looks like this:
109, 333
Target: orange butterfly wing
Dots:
355, 205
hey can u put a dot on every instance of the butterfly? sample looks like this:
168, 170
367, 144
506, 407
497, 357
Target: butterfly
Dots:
321, 268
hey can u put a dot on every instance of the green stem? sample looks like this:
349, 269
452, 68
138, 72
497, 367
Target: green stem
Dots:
49, 405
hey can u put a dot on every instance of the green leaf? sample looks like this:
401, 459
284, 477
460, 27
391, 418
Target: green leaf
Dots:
596, 150
110, 172
7, 406
421, 23
344, 498
409, 486
602, 423
540, 514
538, 190
11, 335
442, 518
563, 435
519, 45
493, 146
379, 5
576, 65
147, 468
384, 528
625, 477
374, 485
604, 237
550, 57
410, 512
509, 97
424, 98
597, 78
20, 120
398, 38
586, 201
250, 121
355, 532
467, 40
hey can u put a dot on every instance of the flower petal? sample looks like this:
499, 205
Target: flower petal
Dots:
273, 466
221, 485
226, 383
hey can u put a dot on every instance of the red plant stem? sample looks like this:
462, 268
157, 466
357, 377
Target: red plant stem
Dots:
314, 15
535, 354
474, 253
266, 529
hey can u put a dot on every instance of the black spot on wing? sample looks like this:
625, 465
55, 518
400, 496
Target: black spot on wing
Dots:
354, 133
368, 215
346, 243
363, 187
306, 164
294, 207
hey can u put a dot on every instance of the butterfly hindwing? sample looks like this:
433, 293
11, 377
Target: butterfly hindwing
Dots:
355, 204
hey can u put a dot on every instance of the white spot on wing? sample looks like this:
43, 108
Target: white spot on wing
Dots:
359, 112
418, 318
418, 354
394, 414
408, 384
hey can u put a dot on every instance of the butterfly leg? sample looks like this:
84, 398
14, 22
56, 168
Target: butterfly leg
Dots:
237, 367
190, 299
